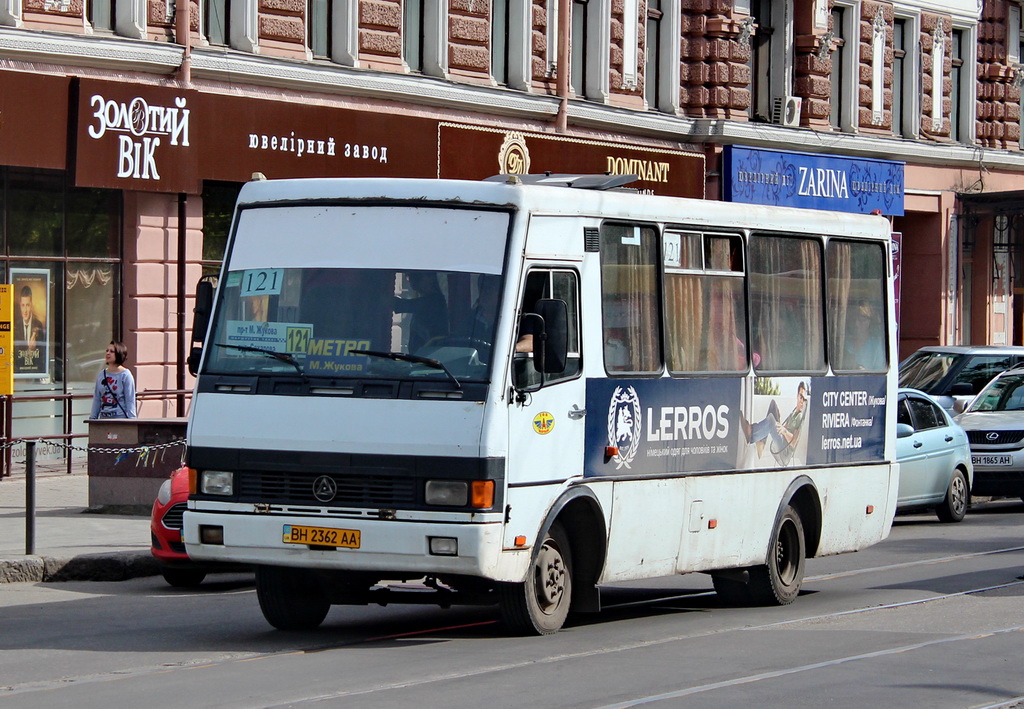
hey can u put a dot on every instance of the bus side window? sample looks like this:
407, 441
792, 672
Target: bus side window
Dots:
558, 285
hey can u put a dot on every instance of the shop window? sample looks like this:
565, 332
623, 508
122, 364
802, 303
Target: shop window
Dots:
218, 206
93, 223
35, 213
629, 299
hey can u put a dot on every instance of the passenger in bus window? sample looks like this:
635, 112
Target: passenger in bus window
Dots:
428, 310
783, 434
864, 349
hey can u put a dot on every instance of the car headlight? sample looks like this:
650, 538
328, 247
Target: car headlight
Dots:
163, 495
216, 482
478, 494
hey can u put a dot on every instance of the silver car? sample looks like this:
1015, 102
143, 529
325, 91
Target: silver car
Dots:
956, 372
934, 457
994, 422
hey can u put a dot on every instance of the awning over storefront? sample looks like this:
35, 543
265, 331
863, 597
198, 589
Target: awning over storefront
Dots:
33, 120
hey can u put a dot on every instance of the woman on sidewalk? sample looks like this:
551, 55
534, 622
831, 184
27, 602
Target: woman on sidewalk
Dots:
114, 397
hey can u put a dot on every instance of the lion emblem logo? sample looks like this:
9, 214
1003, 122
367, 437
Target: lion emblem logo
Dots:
624, 425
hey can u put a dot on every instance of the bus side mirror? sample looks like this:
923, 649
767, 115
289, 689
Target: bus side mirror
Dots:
550, 348
200, 322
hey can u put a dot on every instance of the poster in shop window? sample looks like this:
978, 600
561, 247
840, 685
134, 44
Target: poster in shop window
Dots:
31, 292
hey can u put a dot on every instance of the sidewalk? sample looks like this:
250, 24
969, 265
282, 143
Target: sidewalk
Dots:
71, 542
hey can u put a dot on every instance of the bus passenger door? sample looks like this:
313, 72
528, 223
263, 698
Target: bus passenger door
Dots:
546, 416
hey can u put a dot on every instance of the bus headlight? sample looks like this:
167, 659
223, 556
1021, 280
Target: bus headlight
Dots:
447, 493
216, 482
478, 494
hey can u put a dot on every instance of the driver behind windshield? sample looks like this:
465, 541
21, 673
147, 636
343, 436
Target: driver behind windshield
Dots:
428, 310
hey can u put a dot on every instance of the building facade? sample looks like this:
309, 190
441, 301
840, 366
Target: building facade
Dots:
127, 127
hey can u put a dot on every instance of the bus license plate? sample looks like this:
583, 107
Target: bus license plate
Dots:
991, 460
321, 536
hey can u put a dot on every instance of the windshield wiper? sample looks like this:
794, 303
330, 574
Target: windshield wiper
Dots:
283, 356
416, 359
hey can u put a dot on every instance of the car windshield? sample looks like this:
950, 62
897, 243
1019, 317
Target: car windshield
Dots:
926, 369
1004, 394
309, 288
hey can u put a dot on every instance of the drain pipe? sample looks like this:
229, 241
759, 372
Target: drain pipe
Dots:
562, 84
179, 370
183, 33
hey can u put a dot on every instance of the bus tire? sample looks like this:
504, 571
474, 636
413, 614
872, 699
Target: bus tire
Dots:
291, 599
540, 605
778, 582
954, 507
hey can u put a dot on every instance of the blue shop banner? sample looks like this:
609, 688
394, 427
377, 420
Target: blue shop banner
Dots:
659, 426
812, 181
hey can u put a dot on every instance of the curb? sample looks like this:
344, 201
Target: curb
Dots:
117, 566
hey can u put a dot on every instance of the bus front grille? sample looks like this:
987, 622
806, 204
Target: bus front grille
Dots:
353, 489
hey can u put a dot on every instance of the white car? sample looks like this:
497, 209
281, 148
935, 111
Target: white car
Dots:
934, 456
994, 422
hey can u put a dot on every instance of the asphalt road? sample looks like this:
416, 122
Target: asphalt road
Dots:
932, 617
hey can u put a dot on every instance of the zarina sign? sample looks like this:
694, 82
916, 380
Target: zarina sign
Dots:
138, 137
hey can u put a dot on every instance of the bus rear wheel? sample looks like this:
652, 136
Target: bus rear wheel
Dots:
291, 599
778, 582
540, 605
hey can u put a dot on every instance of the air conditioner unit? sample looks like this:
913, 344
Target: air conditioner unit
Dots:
786, 111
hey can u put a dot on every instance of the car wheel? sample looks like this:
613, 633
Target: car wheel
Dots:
540, 605
778, 582
291, 599
182, 578
954, 507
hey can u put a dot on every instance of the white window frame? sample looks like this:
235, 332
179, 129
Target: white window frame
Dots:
243, 25
434, 40
345, 32
669, 55
519, 32
10, 13
912, 77
551, 53
630, 44
599, 34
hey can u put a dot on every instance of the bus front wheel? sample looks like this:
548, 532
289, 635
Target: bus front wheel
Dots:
778, 582
540, 605
291, 599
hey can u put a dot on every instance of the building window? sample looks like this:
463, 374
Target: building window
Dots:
1015, 48
839, 75
956, 93
412, 34
319, 28
652, 58
771, 62
578, 58
218, 207
900, 61
500, 26
215, 22
102, 14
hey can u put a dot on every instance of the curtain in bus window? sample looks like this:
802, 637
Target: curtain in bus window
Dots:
856, 300
706, 329
786, 304
629, 298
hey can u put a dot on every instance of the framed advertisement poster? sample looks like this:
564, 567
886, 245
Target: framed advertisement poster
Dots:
30, 289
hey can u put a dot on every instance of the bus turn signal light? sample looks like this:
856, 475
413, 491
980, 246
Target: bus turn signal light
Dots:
481, 494
870, 509
520, 541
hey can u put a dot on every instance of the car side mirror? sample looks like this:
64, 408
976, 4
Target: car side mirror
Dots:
903, 430
960, 405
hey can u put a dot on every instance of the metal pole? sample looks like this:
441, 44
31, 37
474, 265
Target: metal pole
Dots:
30, 497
